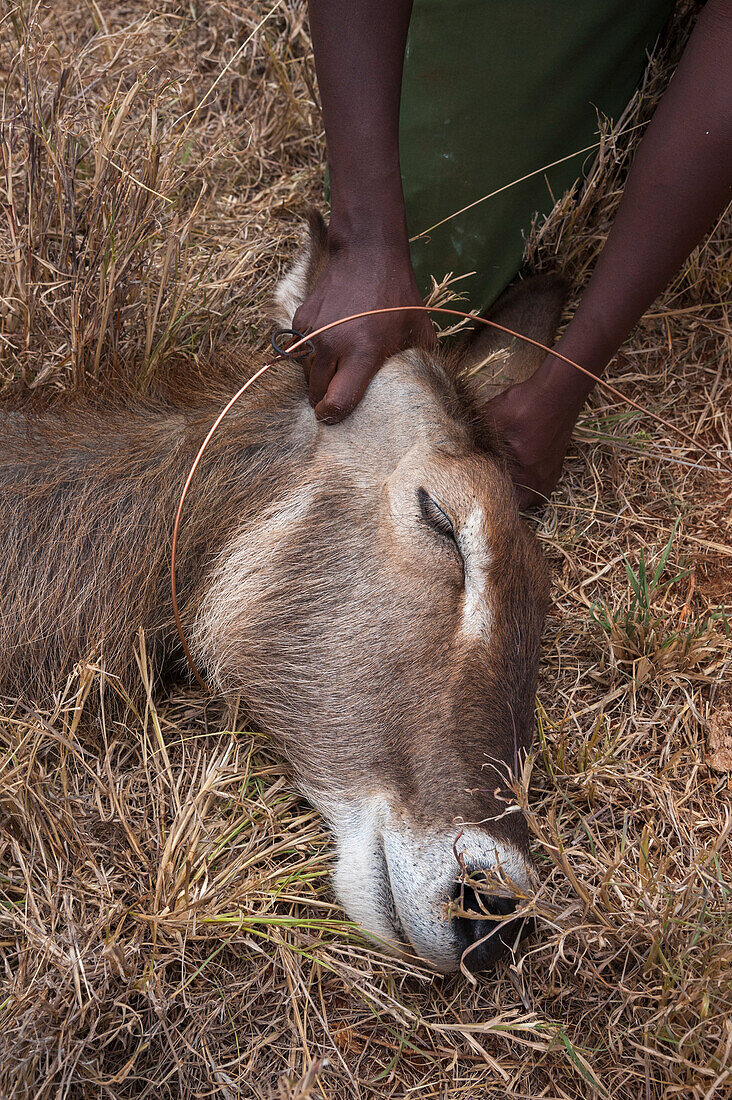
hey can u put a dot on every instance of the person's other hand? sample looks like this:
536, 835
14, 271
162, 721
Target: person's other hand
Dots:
536, 427
358, 277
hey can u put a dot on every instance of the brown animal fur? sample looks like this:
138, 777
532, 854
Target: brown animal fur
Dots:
88, 494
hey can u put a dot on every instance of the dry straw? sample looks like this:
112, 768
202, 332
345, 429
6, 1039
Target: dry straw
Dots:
167, 927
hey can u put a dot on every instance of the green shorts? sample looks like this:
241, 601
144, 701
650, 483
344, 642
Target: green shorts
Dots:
492, 91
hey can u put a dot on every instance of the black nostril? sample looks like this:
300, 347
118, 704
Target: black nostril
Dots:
488, 939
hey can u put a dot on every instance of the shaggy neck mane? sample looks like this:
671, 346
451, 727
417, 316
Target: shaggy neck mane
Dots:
88, 492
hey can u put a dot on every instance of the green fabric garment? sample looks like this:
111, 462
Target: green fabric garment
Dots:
494, 89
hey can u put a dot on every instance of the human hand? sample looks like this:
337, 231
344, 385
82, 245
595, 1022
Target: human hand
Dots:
359, 276
535, 423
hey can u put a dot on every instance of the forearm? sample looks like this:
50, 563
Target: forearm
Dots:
359, 55
680, 181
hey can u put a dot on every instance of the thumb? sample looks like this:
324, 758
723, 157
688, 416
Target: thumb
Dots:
346, 389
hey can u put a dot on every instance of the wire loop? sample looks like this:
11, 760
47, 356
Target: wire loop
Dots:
296, 340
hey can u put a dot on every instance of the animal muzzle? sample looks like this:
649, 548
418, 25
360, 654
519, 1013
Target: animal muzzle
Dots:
440, 896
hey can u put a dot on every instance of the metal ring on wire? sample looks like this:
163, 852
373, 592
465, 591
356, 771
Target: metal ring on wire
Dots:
306, 350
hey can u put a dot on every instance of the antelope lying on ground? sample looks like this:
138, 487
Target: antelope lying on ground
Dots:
366, 589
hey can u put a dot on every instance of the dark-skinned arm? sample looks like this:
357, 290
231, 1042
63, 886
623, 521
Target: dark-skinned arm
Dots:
359, 56
679, 183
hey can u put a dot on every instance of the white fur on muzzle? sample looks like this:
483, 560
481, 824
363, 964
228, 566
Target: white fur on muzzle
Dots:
396, 881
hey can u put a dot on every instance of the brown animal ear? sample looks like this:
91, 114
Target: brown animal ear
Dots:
490, 360
302, 275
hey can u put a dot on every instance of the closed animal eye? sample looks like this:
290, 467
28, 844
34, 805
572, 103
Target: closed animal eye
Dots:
435, 516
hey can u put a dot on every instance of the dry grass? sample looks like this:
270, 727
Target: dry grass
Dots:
167, 926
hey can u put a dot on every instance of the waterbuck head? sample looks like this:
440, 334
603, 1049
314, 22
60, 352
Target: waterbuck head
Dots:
382, 618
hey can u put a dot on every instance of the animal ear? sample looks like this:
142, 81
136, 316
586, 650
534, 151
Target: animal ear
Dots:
490, 361
299, 280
